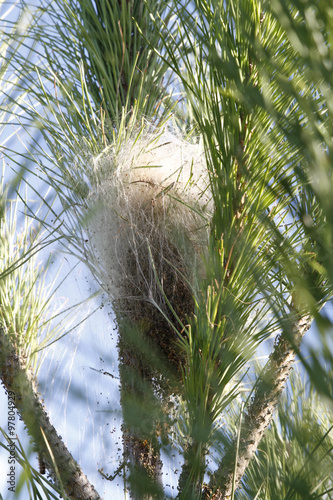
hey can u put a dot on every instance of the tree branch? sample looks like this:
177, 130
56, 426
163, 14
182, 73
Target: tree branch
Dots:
17, 379
260, 412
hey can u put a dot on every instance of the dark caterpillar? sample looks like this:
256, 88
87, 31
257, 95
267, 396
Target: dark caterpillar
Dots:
41, 465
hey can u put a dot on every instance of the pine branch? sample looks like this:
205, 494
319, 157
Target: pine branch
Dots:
21, 382
260, 412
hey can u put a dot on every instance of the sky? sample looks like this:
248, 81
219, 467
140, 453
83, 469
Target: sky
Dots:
82, 399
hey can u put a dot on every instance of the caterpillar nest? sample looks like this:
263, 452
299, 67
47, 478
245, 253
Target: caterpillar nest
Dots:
149, 231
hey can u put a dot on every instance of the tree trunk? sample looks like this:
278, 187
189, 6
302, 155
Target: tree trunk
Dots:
260, 412
20, 382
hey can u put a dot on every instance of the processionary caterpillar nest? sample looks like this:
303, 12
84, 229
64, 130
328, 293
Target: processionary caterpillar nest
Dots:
149, 229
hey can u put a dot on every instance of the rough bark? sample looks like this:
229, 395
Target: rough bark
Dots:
21, 382
259, 414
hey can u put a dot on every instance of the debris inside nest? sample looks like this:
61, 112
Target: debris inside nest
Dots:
149, 231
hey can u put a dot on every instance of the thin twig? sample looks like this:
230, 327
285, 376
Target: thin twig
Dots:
22, 384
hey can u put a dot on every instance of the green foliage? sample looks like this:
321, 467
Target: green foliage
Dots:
120, 71
39, 487
255, 105
256, 81
294, 460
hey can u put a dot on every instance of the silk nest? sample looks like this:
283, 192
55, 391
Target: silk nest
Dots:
149, 223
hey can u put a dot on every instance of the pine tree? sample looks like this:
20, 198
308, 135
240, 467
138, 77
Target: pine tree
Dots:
207, 220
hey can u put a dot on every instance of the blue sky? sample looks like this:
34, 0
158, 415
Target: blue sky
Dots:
82, 401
